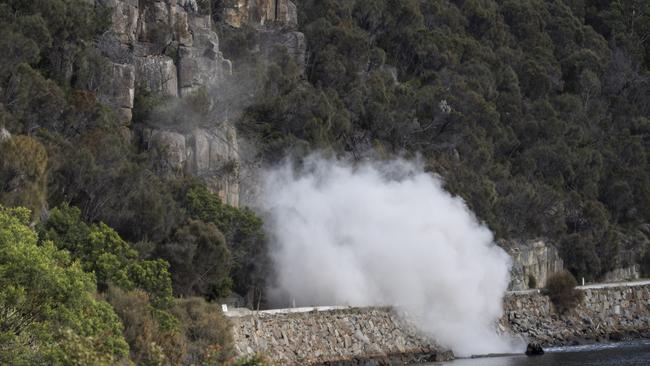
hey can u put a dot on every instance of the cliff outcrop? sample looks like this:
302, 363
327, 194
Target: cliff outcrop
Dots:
169, 48
259, 12
532, 263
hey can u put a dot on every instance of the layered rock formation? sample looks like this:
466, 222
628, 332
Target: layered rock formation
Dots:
211, 154
163, 46
276, 22
168, 47
532, 260
259, 12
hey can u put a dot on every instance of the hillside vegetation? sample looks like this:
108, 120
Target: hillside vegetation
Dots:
535, 112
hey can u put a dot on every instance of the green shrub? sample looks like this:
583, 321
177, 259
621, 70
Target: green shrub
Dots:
23, 173
49, 311
206, 330
255, 360
532, 281
102, 251
561, 290
149, 341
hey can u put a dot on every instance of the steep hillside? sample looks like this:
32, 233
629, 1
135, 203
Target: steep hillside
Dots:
535, 112
131, 130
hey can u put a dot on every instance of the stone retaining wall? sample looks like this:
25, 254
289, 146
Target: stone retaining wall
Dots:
352, 336
378, 336
605, 313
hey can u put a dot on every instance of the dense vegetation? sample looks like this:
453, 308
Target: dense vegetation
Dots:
93, 275
561, 290
535, 112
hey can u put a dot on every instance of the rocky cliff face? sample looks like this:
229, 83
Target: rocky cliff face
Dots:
163, 46
167, 47
532, 259
211, 154
259, 12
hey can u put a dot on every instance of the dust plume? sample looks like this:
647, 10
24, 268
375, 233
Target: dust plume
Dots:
386, 233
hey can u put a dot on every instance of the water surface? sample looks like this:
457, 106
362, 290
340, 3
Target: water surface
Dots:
636, 353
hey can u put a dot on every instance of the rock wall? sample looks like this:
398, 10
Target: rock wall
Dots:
345, 336
352, 336
605, 313
164, 46
168, 47
536, 259
630, 273
259, 12
209, 153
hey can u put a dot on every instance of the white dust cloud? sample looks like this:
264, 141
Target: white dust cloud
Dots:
386, 234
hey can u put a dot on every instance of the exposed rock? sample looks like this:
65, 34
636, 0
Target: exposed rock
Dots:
369, 336
157, 74
118, 90
260, 12
4, 134
166, 46
202, 64
534, 349
172, 146
535, 259
211, 154
604, 313
623, 274
124, 19
156, 22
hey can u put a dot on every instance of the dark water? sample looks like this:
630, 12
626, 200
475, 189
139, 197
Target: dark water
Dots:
635, 353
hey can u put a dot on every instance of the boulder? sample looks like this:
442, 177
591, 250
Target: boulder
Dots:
534, 349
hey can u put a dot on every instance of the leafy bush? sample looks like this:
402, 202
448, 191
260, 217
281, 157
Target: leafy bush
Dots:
101, 250
561, 290
49, 313
23, 163
151, 343
255, 360
207, 332
244, 235
200, 260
